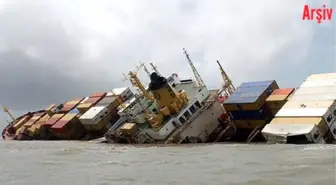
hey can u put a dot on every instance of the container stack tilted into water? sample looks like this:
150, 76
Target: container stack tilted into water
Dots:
248, 110
309, 115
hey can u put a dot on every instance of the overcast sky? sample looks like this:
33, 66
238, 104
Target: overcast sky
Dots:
52, 51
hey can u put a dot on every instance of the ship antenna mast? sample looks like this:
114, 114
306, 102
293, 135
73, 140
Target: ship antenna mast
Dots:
7, 111
145, 68
228, 87
154, 68
194, 70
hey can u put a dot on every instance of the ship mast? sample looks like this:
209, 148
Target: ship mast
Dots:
154, 68
194, 70
228, 87
145, 68
7, 111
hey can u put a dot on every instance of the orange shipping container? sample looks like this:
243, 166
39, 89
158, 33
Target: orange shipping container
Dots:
284, 91
98, 94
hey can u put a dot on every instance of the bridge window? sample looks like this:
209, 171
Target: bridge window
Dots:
197, 104
182, 120
192, 109
186, 114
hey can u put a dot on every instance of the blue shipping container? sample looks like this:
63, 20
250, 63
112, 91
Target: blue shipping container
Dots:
257, 83
74, 111
251, 89
248, 115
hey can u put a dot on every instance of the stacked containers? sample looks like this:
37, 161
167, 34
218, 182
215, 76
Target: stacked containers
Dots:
90, 101
68, 106
277, 99
309, 115
31, 123
68, 128
52, 120
96, 119
40, 131
22, 121
246, 106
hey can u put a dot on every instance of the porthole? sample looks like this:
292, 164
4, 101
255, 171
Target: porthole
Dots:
329, 118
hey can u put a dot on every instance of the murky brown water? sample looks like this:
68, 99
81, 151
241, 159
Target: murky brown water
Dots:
70, 163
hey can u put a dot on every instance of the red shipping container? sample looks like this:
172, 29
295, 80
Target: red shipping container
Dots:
53, 120
285, 91
60, 126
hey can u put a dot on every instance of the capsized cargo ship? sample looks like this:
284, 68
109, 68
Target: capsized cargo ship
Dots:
174, 110
164, 112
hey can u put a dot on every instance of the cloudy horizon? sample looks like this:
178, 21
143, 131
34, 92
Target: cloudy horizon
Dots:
53, 51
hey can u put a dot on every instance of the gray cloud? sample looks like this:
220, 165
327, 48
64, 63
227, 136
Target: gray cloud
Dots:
52, 51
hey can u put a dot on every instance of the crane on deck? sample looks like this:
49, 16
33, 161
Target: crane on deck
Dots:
8, 112
194, 70
228, 87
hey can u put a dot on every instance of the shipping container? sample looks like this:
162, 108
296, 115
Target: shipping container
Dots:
53, 120
83, 107
249, 124
318, 121
244, 99
310, 104
94, 115
243, 115
316, 90
68, 116
86, 98
74, 111
295, 130
21, 122
313, 97
321, 77
258, 83
124, 93
276, 101
318, 83
32, 120
326, 113
93, 100
284, 91
129, 129
68, 127
277, 98
98, 94
110, 103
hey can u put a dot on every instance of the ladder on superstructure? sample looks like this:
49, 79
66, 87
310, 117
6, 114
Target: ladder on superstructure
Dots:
228, 87
194, 70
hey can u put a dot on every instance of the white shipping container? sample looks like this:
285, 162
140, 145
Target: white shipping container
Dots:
327, 114
280, 132
316, 90
309, 104
94, 115
329, 82
313, 97
321, 77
